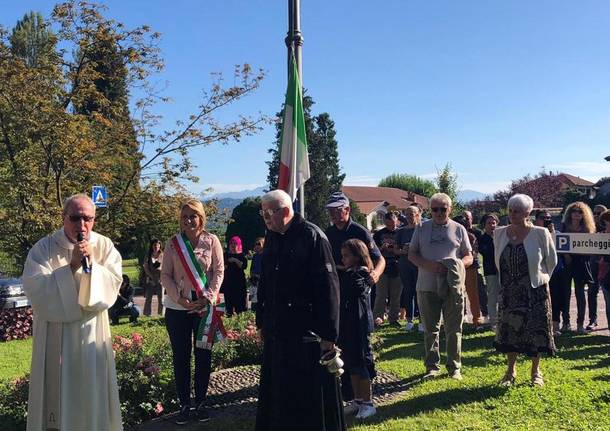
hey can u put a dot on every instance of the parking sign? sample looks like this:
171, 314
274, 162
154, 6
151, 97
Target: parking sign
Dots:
99, 195
562, 242
583, 243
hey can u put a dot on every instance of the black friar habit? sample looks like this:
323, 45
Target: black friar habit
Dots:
298, 293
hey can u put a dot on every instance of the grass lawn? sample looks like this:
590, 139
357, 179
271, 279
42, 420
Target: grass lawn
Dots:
15, 355
576, 394
131, 269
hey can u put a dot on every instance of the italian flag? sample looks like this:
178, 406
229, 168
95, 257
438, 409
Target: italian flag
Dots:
294, 160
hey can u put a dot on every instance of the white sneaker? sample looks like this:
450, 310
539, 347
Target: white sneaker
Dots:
351, 407
366, 411
421, 328
409, 326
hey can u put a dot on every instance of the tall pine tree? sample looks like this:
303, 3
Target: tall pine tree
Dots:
32, 40
326, 176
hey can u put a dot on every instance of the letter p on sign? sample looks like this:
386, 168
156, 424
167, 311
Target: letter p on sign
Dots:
562, 242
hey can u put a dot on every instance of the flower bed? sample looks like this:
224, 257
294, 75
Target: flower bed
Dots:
15, 323
144, 370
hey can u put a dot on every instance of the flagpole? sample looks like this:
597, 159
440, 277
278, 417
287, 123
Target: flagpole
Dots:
294, 42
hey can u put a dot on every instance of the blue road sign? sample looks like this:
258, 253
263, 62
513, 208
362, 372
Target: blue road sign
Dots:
99, 195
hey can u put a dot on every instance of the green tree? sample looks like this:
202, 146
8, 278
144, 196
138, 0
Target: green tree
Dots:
446, 182
246, 222
409, 183
32, 40
356, 214
326, 176
64, 126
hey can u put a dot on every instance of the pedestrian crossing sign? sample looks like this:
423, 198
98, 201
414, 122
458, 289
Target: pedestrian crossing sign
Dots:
99, 195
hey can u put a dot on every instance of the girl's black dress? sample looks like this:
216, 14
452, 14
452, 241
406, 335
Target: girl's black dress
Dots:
356, 323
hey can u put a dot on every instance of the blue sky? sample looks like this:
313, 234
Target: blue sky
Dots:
498, 89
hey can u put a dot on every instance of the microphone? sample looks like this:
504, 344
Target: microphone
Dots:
85, 261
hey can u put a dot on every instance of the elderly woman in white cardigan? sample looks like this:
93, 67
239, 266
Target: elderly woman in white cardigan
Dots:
525, 256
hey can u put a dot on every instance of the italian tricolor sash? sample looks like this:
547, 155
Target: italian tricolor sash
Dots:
211, 327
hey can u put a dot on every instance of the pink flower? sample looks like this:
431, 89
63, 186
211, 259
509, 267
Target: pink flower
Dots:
137, 339
159, 408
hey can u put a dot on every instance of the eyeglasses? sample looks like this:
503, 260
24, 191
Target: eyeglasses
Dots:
269, 212
439, 209
335, 210
78, 218
577, 210
190, 218
597, 214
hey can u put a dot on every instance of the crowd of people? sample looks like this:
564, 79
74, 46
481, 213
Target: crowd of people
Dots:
318, 296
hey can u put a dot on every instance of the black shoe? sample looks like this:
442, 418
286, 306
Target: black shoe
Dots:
183, 417
202, 414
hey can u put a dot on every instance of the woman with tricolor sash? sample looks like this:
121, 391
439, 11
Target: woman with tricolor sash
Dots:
192, 273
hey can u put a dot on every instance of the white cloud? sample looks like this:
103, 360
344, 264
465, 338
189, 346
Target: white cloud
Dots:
361, 180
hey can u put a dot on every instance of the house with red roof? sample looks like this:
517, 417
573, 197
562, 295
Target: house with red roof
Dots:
375, 202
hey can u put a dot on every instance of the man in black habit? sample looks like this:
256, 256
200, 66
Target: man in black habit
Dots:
298, 318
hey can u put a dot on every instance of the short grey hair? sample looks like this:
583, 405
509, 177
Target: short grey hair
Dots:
442, 198
521, 201
278, 196
77, 197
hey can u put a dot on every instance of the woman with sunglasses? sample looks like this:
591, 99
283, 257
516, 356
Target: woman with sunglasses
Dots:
192, 272
578, 218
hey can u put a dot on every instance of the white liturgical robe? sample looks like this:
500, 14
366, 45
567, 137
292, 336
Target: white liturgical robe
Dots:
73, 383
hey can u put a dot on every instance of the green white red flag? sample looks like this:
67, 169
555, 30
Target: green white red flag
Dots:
294, 159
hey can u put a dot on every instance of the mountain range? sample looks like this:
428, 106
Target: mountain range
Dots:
242, 194
230, 200
464, 196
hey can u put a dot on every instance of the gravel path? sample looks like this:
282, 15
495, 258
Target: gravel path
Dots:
233, 394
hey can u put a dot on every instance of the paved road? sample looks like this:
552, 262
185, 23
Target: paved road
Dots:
601, 314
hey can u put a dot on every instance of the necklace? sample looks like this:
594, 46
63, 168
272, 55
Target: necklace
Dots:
514, 235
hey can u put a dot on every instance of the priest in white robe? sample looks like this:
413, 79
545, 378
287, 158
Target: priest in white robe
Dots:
71, 277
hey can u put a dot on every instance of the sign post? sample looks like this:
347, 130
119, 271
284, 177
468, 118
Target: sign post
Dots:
99, 196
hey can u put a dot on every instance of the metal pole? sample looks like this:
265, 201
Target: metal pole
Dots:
294, 41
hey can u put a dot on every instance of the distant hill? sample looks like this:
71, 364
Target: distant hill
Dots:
470, 195
242, 194
228, 203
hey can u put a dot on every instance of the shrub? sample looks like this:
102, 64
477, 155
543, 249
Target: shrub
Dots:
145, 390
144, 370
241, 348
14, 404
15, 323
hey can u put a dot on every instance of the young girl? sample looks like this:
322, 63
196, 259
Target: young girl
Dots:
356, 324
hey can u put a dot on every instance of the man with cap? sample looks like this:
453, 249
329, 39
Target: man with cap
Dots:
342, 229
